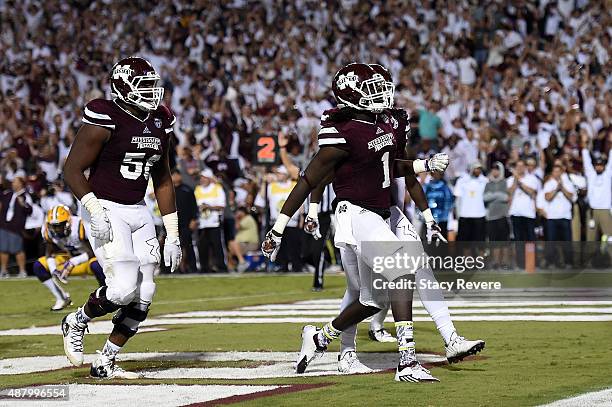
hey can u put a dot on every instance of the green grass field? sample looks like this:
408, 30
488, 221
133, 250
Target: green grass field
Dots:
525, 362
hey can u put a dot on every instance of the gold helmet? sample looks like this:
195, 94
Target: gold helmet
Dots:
58, 221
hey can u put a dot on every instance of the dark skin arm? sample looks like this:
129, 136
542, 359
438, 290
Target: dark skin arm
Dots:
322, 164
415, 189
162, 185
84, 152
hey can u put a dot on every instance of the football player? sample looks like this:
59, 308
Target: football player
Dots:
68, 252
123, 142
457, 347
357, 148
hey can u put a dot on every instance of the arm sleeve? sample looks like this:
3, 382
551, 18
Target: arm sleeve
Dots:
588, 164
330, 134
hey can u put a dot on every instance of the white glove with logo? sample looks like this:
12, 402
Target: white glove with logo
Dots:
311, 226
271, 245
439, 162
172, 253
100, 225
172, 247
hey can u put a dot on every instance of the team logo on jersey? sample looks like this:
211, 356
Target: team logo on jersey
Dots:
380, 142
379, 130
158, 122
123, 72
394, 122
147, 142
350, 80
146, 130
342, 208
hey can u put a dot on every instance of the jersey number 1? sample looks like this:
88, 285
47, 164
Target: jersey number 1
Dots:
134, 164
385, 160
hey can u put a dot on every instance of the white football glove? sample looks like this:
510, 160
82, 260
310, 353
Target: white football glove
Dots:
101, 227
271, 245
439, 162
172, 253
311, 227
434, 233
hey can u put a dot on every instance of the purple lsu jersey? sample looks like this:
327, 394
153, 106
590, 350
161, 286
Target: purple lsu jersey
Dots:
123, 168
364, 177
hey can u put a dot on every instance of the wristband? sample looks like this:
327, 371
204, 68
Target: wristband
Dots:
313, 210
81, 258
51, 264
419, 166
427, 215
171, 224
91, 203
281, 223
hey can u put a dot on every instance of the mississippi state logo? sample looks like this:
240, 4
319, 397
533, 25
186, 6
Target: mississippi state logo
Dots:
342, 208
158, 123
122, 72
349, 80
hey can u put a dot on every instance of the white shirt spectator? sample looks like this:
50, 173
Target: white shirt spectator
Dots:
599, 191
559, 207
470, 191
467, 70
210, 195
278, 192
522, 204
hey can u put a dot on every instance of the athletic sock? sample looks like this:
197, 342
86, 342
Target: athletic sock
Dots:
52, 286
327, 334
81, 316
110, 349
405, 342
434, 303
444, 324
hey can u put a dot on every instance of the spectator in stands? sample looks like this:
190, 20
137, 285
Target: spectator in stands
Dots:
599, 184
469, 192
496, 199
272, 195
15, 206
210, 198
440, 199
522, 189
247, 234
560, 195
188, 215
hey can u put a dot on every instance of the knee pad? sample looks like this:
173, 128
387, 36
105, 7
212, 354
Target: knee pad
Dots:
40, 271
128, 318
99, 304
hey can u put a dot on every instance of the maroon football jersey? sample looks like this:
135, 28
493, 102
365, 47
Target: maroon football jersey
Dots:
364, 177
122, 170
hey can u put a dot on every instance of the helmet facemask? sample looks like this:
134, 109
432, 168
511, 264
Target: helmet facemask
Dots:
60, 229
144, 91
377, 94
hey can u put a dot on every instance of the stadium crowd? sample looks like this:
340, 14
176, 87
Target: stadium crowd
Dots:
517, 93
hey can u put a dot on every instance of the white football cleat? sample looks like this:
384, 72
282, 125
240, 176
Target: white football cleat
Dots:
348, 363
104, 367
459, 347
310, 350
73, 332
61, 304
381, 335
414, 373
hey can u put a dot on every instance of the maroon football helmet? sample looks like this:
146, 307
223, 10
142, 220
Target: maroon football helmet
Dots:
134, 81
361, 87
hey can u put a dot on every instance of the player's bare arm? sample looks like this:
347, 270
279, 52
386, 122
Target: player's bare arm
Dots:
322, 164
85, 151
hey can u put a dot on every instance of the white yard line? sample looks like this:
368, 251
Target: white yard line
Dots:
34, 364
168, 395
602, 398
